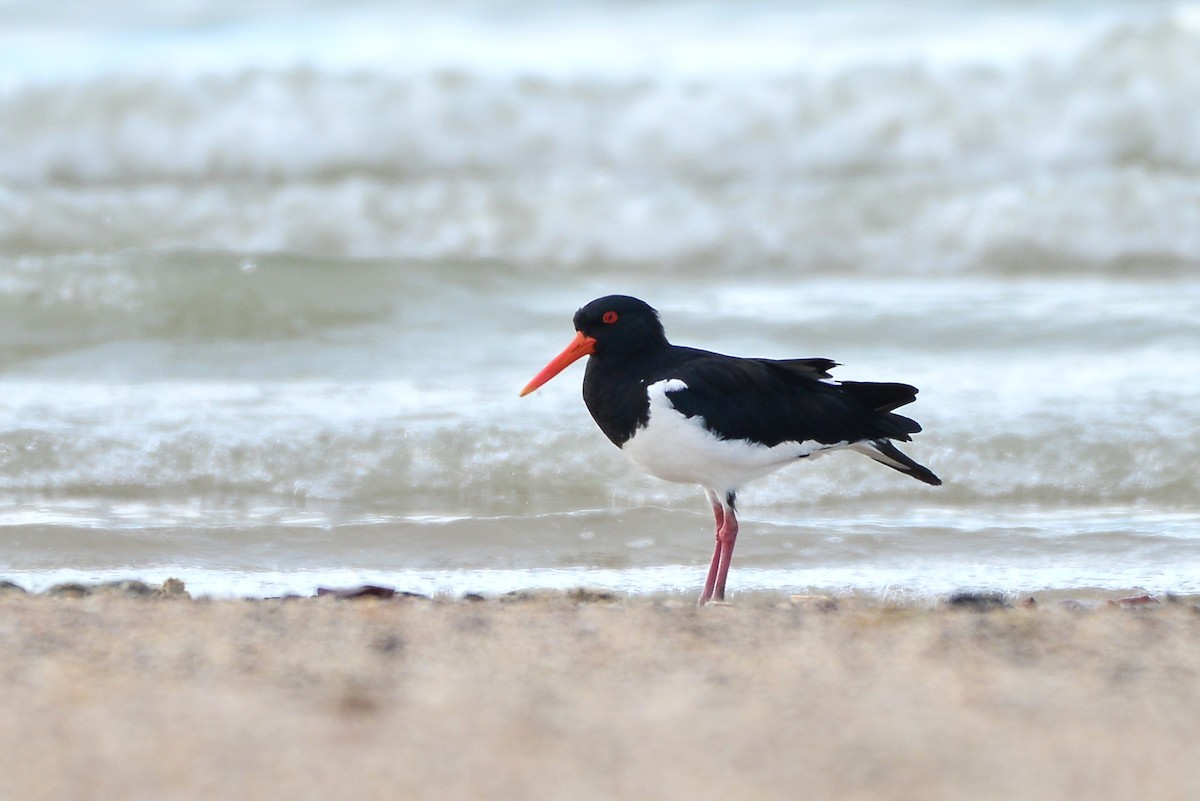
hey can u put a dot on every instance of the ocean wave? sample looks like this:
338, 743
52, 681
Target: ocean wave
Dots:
227, 315
263, 460
1082, 164
1123, 99
1115, 221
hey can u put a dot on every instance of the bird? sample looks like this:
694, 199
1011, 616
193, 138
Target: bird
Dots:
697, 417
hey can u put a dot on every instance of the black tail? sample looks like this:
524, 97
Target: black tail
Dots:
883, 398
884, 452
880, 397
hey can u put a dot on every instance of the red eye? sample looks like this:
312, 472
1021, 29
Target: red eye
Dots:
609, 317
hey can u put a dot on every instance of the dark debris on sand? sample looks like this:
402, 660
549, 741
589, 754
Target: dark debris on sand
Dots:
130, 588
971, 600
978, 601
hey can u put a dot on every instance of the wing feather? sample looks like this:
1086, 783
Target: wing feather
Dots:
772, 401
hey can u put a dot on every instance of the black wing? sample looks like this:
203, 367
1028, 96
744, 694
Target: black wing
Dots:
772, 401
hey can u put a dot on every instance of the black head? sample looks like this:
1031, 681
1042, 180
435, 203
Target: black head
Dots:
621, 326
612, 327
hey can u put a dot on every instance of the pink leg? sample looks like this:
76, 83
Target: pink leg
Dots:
726, 538
711, 582
727, 530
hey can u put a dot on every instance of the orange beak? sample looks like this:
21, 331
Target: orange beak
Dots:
582, 345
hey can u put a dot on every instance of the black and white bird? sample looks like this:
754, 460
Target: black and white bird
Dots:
697, 417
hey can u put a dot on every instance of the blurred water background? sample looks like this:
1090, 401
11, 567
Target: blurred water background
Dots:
272, 275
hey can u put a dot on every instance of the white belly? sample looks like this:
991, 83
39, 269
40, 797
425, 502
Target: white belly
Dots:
678, 448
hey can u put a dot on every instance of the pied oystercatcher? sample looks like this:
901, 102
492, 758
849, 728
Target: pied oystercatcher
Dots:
698, 417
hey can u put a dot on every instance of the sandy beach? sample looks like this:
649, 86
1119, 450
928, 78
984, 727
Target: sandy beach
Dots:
590, 696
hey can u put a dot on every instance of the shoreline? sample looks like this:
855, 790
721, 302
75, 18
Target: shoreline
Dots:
1079, 598
589, 694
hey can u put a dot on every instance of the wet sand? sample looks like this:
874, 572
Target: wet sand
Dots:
583, 696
